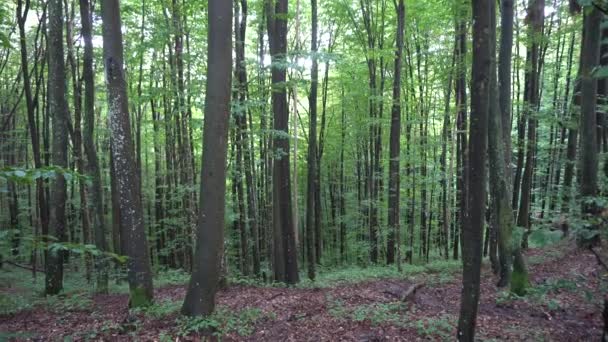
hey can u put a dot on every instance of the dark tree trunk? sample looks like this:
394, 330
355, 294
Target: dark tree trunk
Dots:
532, 103
394, 240
200, 298
476, 169
312, 149
95, 192
590, 57
285, 255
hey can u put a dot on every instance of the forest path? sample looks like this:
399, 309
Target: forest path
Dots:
564, 305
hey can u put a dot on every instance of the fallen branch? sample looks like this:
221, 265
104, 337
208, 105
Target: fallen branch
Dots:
407, 294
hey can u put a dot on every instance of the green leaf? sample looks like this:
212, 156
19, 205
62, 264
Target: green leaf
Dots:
4, 40
585, 2
600, 72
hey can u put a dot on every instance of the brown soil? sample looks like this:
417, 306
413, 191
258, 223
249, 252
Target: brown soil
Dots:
367, 311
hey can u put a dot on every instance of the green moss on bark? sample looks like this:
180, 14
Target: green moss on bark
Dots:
139, 297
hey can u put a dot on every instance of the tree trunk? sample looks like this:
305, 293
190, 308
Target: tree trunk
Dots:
590, 57
395, 146
532, 103
95, 192
312, 148
285, 255
473, 229
200, 298
58, 106
131, 212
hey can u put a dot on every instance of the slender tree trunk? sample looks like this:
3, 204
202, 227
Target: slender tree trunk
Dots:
95, 192
127, 182
312, 148
395, 146
58, 106
31, 115
200, 298
461, 135
472, 231
531, 103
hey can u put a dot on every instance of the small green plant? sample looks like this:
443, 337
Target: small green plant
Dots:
441, 326
505, 297
69, 302
12, 303
222, 322
376, 313
159, 309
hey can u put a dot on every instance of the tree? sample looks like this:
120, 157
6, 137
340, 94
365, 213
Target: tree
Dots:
499, 138
285, 259
590, 57
96, 188
536, 19
200, 298
395, 145
58, 106
472, 230
133, 235
312, 147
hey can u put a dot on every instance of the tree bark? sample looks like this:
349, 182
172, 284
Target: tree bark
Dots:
531, 106
590, 57
285, 256
312, 148
58, 106
131, 213
393, 241
95, 192
200, 298
473, 229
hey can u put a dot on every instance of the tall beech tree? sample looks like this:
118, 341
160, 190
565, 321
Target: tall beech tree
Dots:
200, 298
590, 58
536, 20
312, 148
95, 190
472, 230
133, 234
285, 260
394, 239
58, 107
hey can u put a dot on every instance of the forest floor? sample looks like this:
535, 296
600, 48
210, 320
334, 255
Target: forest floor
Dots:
564, 304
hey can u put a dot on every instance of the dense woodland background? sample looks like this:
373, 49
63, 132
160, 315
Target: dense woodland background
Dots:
360, 133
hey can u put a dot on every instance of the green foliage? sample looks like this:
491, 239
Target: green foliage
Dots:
600, 72
171, 277
223, 321
29, 176
76, 301
544, 237
377, 314
519, 282
11, 303
159, 310
441, 326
